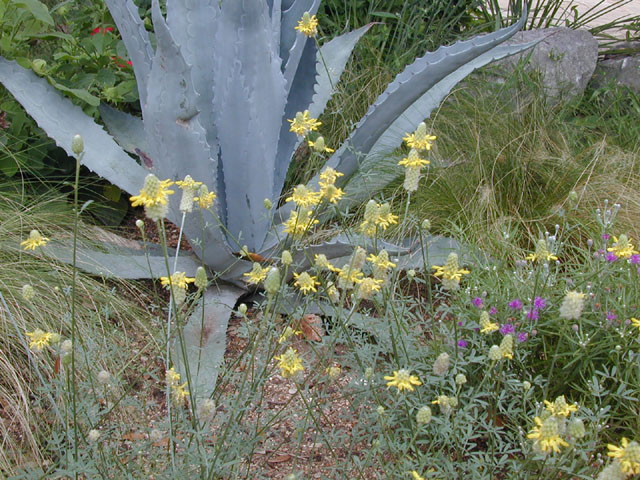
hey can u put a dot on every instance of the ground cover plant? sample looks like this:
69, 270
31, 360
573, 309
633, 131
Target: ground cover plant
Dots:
355, 368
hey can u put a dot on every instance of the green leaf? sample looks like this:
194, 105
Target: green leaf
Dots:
393, 16
38, 9
79, 93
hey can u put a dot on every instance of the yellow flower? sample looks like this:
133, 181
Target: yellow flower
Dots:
450, 271
560, 407
546, 435
288, 333
381, 260
419, 139
542, 252
413, 160
289, 363
178, 279
319, 146
367, 286
179, 393
302, 124
347, 276
321, 261
308, 25
415, 475
205, 198
329, 176
40, 339
188, 183
299, 222
622, 247
305, 282
487, 325
331, 193
153, 193
257, 274
628, 455
172, 377
402, 380
635, 322
34, 240
304, 197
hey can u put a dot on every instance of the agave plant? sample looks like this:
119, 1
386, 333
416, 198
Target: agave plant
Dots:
216, 95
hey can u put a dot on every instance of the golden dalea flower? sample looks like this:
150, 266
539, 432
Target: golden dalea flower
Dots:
35, 240
419, 139
506, 347
331, 193
201, 280
189, 189
205, 198
302, 124
628, 455
424, 415
288, 333
572, 305
560, 407
172, 377
28, 293
308, 25
333, 371
635, 322
306, 283
487, 325
450, 272
381, 260
446, 403
494, 353
256, 275
416, 476
348, 276
385, 217
402, 380
441, 365
411, 179
319, 146
622, 247
542, 253
178, 280
179, 393
613, 471
321, 261
289, 363
413, 160
367, 286
304, 197
329, 176
333, 293
299, 222
286, 258
272, 281
40, 339
546, 435
154, 192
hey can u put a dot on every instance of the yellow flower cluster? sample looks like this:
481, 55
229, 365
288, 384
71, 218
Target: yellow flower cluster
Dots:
627, 456
179, 392
178, 280
622, 247
39, 339
290, 363
413, 163
35, 240
308, 25
402, 380
551, 425
302, 124
451, 274
377, 216
542, 253
153, 193
256, 275
306, 283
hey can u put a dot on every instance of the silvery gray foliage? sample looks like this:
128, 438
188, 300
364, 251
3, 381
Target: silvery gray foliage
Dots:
216, 93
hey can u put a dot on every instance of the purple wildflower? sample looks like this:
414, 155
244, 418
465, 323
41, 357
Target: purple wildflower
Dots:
533, 314
460, 323
463, 343
611, 257
611, 316
539, 303
494, 310
478, 302
507, 328
605, 236
522, 337
516, 304
635, 259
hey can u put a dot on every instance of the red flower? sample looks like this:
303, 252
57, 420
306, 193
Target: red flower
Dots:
118, 62
102, 30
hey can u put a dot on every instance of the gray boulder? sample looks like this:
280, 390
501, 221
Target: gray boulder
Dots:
565, 59
621, 69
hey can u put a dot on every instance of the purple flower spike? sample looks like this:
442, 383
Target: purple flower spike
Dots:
539, 303
635, 259
611, 316
478, 302
463, 343
606, 236
516, 304
507, 328
494, 310
522, 337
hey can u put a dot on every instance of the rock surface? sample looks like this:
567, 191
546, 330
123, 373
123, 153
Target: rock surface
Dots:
565, 59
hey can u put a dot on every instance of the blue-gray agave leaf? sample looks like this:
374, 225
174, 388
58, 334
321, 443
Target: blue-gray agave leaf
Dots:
127, 130
249, 107
61, 119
